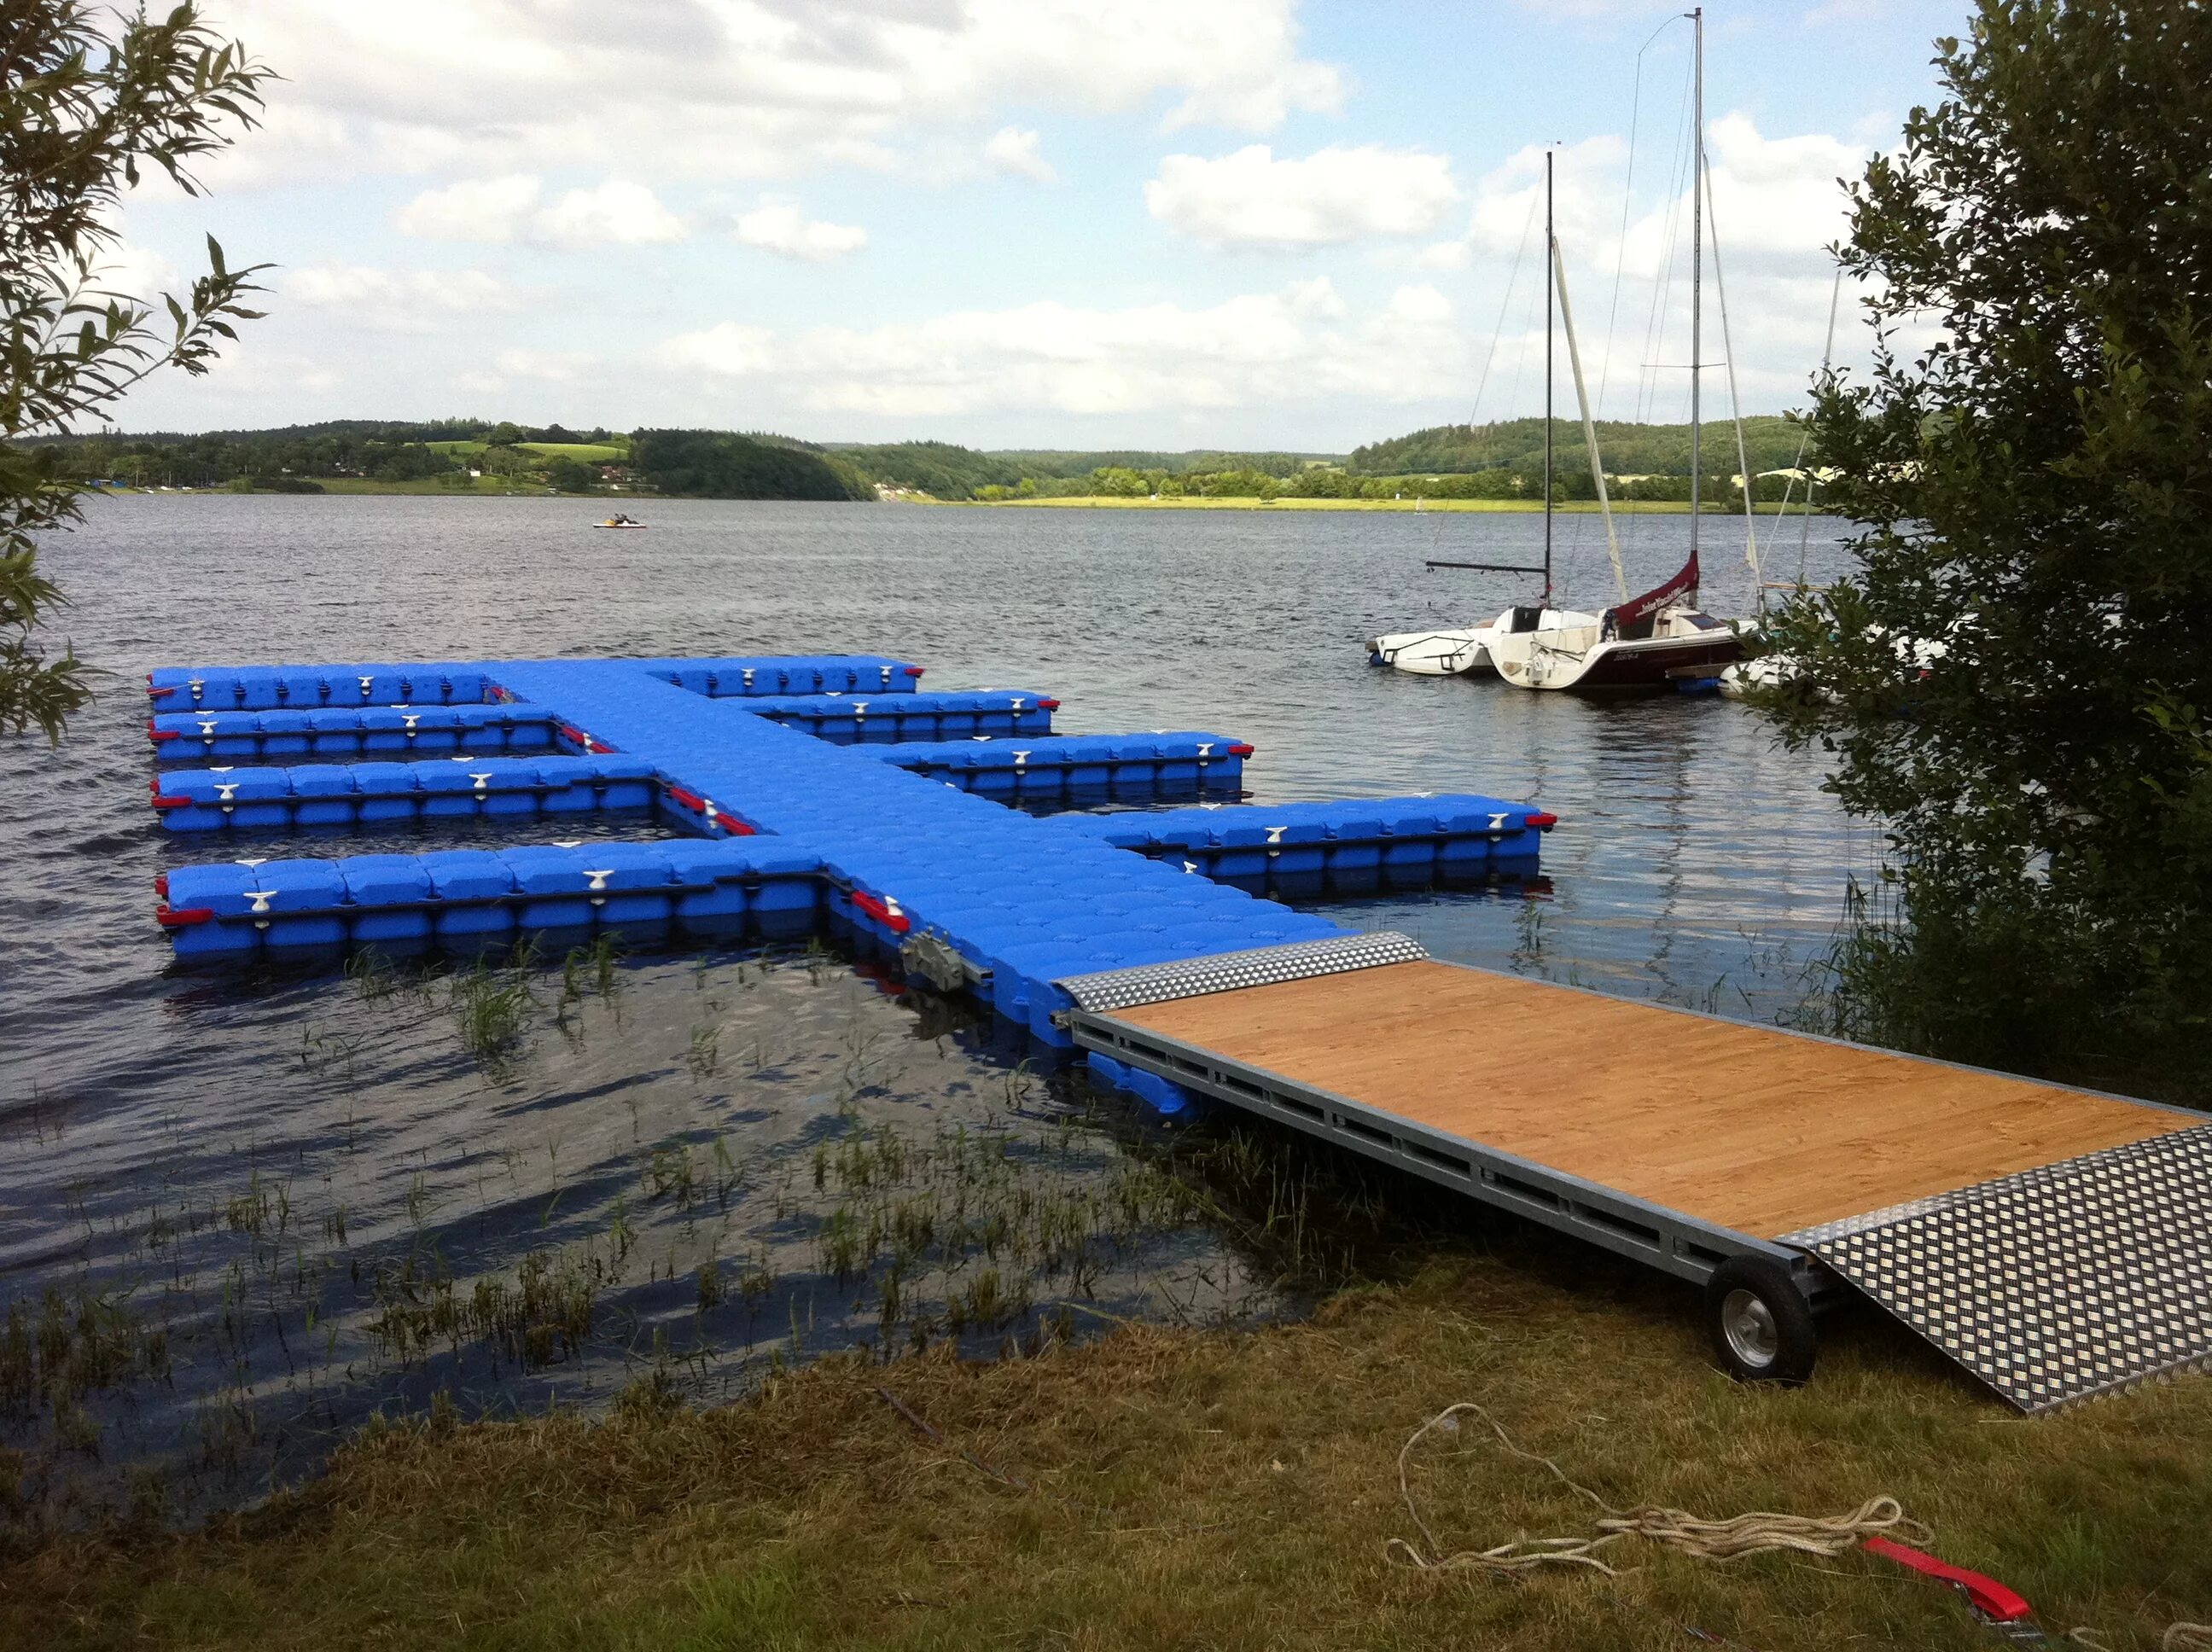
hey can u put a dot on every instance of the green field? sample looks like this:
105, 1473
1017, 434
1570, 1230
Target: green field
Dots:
1119, 502
588, 452
482, 484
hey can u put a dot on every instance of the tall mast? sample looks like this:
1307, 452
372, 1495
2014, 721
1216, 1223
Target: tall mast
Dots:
1550, 244
1696, 272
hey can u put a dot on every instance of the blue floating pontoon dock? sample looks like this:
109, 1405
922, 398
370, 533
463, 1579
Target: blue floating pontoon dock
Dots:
829, 786
2053, 1243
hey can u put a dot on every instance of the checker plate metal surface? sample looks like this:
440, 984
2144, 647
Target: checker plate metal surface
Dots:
1225, 972
2058, 1283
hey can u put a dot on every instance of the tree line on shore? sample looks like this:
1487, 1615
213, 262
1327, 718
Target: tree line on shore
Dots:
1496, 462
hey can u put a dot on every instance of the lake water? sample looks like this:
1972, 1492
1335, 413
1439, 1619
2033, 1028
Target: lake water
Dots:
238, 1215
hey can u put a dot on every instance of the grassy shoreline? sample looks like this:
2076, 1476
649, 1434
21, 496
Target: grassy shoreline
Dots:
487, 488
1572, 507
1214, 1488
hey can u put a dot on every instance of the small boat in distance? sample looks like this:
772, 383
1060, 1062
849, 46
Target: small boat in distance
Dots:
619, 520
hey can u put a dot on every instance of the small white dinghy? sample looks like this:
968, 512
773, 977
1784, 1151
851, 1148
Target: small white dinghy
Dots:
1434, 654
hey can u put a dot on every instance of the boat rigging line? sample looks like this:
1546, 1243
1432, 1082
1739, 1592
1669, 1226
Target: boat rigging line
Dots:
1551, 244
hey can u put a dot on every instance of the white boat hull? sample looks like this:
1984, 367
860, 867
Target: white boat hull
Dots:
1571, 651
1434, 654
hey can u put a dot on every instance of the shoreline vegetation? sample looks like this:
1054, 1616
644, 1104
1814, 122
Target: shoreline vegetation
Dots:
362, 486
1499, 466
1252, 502
1233, 1488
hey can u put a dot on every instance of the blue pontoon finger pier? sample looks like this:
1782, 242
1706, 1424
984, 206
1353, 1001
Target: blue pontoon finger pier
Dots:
2053, 1243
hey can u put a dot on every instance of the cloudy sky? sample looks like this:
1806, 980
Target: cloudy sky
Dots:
1164, 223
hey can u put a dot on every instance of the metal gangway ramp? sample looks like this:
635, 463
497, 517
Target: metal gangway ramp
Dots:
2056, 1243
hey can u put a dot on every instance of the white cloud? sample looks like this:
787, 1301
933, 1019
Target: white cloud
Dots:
1251, 199
475, 209
1776, 208
736, 88
551, 367
498, 209
778, 226
1014, 150
1297, 345
136, 271
729, 348
616, 213
1776, 203
537, 366
401, 300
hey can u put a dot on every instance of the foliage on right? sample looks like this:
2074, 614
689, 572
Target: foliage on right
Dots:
2014, 679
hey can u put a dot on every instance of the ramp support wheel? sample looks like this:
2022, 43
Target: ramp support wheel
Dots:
1760, 1322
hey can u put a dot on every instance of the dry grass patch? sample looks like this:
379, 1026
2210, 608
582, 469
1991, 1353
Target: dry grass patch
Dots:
1225, 1490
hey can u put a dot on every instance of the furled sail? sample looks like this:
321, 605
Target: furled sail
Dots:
1638, 608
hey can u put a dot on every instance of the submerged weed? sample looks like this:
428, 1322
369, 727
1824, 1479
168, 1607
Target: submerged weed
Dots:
494, 1008
705, 1054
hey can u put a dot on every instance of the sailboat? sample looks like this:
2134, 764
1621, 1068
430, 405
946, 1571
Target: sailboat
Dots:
1662, 637
1648, 641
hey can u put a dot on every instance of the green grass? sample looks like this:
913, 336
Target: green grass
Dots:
610, 452
1228, 1489
482, 484
590, 452
1104, 501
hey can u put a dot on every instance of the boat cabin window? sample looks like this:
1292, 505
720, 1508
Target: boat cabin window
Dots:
1524, 619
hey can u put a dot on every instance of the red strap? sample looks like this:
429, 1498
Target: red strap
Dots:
898, 922
1241, 748
172, 918
1991, 1599
1543, 823
689, 798
916, 670
735, 827
161, 802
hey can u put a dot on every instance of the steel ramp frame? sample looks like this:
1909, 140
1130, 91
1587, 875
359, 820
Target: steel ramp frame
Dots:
2054, 1284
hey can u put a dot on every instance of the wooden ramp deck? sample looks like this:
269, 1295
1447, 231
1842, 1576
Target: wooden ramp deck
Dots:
2055, 1242
1746, 1127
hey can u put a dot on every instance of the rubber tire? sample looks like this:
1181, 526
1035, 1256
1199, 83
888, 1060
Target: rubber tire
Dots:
1799, 1340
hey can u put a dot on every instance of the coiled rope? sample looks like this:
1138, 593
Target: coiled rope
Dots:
1678, 1530
1723, 1540
2178, 1637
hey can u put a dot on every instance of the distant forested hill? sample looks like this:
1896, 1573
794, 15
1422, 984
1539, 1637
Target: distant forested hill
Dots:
947, 471
938, 469
1042, 462
1629, 449
719, 464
